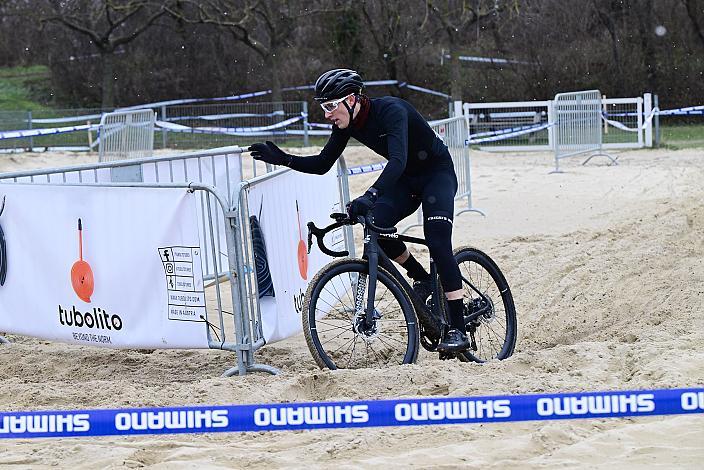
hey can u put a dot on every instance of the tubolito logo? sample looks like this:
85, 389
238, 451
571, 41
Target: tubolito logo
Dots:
97, 318
83, 284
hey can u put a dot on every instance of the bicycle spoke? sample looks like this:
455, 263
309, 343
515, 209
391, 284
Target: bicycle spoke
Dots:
343, 345
354, 347
344, 330
492, 330
380, 358
389, 337
333, 308
378, 361
333, 327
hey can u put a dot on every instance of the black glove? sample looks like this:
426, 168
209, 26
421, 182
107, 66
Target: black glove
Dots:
270, 153
362, 204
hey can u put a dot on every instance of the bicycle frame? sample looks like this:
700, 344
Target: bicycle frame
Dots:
376, 257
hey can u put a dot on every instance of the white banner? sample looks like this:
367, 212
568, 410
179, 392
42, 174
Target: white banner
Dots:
283, 206
131, 277
222, 171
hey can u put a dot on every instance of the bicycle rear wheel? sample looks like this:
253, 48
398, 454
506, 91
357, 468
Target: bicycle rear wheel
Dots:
493, 333
331, 324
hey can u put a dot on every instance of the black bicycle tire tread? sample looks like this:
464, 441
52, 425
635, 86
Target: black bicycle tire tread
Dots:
511, 307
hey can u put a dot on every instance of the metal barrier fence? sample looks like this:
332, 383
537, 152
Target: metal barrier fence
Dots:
47, 119
529, 125
629, 112
454, 132
229, 119
248, 282
217, 201
488, 118
126, 135
224, 230
577, 118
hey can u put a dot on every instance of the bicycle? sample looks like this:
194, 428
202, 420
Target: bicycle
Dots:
358, 312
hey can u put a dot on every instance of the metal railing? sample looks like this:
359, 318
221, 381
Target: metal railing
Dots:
233, 319
454, 132
126, 135
491, 118
578, 125
195, 126
530, 125
48, 119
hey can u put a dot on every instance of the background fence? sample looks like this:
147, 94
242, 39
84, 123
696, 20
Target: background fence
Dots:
195, 127
502, 127
526, 125
50, 119
487, 119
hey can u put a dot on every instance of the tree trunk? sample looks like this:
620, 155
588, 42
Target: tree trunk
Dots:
696, 16
615, 53
108, 88
272, 64
455, 72
646, 26
389, 60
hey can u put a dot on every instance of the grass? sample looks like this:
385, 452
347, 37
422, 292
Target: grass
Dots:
682, 136
22, 88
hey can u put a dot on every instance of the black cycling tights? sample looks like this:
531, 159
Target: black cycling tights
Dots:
436, 191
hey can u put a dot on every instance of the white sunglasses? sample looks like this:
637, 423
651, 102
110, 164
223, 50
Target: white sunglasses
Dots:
330, 106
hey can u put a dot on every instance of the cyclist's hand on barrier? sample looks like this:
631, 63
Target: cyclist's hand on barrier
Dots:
269, 153
362, 204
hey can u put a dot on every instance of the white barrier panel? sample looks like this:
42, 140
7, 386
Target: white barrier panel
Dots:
223, 171
126, 135
577, 117
130, 278
283, 206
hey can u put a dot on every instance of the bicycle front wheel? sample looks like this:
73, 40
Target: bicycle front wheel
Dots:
334, 306
488, 306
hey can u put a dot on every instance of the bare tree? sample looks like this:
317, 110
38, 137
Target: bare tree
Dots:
456, 17
609, 14
643, 9
108, 24
394, 31
695, 12
266, 27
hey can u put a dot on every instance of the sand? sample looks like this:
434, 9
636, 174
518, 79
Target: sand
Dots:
606, 266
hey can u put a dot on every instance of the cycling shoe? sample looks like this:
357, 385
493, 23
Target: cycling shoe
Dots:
454, 341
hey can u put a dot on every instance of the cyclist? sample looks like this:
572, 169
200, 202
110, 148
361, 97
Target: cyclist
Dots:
419, 171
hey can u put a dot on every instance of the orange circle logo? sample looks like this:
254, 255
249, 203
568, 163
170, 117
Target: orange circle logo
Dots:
81, 272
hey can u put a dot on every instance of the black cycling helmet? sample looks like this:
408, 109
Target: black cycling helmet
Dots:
337, 83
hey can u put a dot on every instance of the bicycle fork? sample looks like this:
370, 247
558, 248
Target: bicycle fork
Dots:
365, 319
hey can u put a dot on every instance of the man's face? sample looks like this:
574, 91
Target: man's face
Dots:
339, 115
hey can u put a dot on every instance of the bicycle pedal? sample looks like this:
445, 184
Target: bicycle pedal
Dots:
446, 356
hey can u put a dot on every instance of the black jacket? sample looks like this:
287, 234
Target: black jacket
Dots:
394, 130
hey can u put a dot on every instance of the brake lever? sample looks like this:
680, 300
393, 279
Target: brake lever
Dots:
339, 216
310, 237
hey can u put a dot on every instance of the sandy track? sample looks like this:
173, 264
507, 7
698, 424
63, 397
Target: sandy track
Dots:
607, 269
